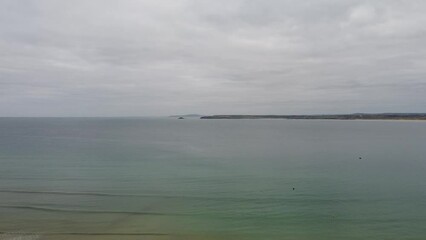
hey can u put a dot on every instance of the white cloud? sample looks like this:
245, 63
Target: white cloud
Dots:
363, 14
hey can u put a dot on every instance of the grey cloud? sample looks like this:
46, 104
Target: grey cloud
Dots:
112, 58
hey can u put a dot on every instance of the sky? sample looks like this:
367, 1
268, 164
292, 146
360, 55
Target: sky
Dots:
165, 57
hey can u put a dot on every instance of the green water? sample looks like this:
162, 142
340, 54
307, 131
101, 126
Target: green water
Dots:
160, 178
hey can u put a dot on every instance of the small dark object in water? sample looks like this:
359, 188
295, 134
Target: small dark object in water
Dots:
360, 157
293, 189
181, 118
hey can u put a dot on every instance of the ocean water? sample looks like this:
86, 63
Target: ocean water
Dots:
163, 178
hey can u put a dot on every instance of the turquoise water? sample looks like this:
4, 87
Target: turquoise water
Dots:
161, 178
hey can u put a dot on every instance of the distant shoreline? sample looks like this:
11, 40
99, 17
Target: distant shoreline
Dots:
355, 116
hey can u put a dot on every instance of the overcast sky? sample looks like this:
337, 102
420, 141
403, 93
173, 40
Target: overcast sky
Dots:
162, 57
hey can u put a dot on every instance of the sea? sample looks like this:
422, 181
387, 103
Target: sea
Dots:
195, 179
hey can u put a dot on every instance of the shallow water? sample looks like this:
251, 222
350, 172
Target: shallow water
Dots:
160, 178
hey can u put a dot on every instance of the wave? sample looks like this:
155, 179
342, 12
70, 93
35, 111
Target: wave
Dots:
296, 198
19, 236
35, 235
70, 193
132, 195
105, 194
47, 209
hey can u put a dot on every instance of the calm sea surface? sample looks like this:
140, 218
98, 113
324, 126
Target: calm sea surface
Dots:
161, 178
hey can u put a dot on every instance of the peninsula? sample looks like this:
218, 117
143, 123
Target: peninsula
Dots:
354, 116
187, 116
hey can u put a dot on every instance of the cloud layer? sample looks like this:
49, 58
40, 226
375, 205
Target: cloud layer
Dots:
161, 57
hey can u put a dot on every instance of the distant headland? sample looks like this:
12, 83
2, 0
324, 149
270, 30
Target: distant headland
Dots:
353, 116
187, 116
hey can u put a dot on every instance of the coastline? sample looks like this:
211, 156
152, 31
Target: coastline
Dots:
357, 116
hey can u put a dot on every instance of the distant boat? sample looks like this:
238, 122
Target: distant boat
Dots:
181, 118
